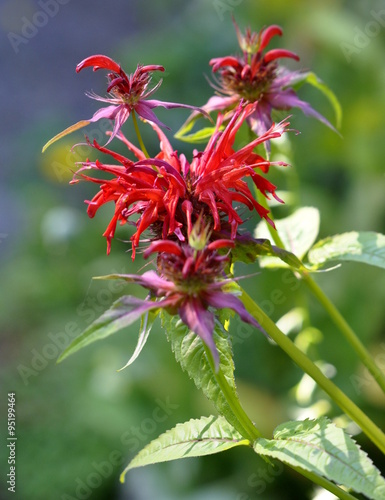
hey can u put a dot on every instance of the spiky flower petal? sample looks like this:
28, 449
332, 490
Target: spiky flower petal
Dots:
256, 77
190, 283
169, 194
128, 93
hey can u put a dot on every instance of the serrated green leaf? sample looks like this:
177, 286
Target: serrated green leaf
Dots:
312, 79
365, 247
322, 448
298, 232
249, 250
195, 438
190, 352
123, 312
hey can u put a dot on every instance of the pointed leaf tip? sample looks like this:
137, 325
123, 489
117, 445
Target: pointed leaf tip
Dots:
195, 438
67, 131
323, 449
312, 79
366, 247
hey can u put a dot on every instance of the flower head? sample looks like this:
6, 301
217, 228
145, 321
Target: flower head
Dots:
151, 188
128, 94
219, 172
170, 194
190, 283
256, 77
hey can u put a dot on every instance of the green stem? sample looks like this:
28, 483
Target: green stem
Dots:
325, 483
273, 232
249, 430
345, 329
141, 143
334, 314
352, 410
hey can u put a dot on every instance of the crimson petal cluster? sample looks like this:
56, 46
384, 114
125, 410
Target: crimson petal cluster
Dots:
169, 193
128, 94
189, 282
256, 76
187, 206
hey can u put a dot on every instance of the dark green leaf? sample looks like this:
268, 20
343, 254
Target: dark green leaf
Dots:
248, 250
190, 352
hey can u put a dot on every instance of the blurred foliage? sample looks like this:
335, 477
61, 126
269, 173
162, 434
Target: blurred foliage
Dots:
80, 422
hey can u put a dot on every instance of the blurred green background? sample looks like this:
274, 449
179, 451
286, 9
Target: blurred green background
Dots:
80, 422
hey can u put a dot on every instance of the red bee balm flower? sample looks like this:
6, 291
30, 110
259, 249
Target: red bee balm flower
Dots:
170, 194
256, 77
189, 283
219, 171
128, 93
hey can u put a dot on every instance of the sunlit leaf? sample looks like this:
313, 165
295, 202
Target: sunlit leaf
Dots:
322, 448
248, 250
298, 232
190, 352
200, 136
365, 247
195, 438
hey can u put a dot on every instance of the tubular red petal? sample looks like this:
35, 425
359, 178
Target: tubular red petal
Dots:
214, 245
122, 159
114, 82
163, 246
187, 266
99, 61
278, 53
246, 69
188, 209
219, 62
268, 34
150, 67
